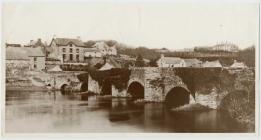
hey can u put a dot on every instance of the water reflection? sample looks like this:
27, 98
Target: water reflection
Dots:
54, 112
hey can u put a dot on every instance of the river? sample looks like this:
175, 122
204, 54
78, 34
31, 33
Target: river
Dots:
41, 112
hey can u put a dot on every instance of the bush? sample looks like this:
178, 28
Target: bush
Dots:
240, 107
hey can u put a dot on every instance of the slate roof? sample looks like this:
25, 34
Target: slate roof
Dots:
172, 60
67, 41
16, 53
91, 50
193, 62
212, 64
22, 53
238, 65
34, 51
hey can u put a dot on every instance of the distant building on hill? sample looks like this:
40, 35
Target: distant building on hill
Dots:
162, 50
225, 47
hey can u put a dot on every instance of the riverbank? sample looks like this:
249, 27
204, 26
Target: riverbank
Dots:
25, 88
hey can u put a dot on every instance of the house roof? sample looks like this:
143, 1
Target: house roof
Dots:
55, 68
172, 60
212, 64
110, 63
14, 53
114, 62
107, 66
91, 50
22, 53
67, 41
191, 62
238, 65
34, 51
13, 45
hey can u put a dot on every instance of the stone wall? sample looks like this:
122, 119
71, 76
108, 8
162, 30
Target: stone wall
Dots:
159, 81
55, 79
16, 68
93, 85
118, 93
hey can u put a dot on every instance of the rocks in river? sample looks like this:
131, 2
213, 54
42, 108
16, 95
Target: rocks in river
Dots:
191, 107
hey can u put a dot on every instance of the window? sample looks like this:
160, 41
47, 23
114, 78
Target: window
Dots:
71, 50
64, 50
77, 50
64, 57
70, 45
77, 58
35, 66
35, 58
71, 57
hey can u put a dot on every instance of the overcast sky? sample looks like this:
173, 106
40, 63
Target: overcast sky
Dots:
173, 26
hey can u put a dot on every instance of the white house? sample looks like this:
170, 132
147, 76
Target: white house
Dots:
104, 48
212, 64
193, 63
171, 62
92, 52
238, 65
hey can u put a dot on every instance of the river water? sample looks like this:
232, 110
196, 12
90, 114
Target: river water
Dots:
39, 112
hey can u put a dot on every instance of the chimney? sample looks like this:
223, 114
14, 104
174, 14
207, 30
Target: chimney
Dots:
54, 36
79, 38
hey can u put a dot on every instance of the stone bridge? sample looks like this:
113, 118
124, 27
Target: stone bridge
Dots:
176, 86
57, 79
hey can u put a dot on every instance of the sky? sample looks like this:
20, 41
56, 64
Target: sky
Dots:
154, 25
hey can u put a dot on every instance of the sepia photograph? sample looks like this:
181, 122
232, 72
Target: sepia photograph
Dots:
129, 67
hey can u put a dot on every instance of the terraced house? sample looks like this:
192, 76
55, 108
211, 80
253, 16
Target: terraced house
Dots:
67, 49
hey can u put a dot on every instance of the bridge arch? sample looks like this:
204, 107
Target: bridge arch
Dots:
177, 96
63, 88
136, 90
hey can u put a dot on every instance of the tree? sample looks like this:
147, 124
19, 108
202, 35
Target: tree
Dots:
98, 65
139, 61
153, 63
